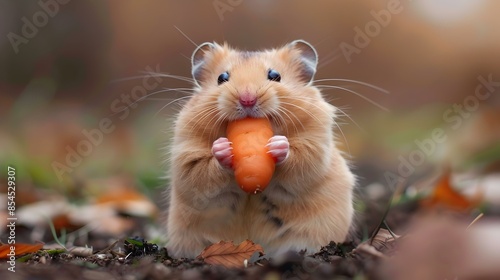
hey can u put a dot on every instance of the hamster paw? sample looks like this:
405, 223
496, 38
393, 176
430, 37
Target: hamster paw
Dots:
223, 152
278, 147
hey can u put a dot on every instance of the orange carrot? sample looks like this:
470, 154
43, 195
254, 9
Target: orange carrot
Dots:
253, 166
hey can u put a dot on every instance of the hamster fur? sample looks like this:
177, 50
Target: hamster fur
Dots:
309, 200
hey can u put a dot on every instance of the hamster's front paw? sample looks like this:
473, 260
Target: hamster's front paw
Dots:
278, 147
223, 152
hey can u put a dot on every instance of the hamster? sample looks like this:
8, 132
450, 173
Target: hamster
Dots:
308, 202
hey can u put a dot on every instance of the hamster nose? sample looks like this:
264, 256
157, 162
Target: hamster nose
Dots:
248, 100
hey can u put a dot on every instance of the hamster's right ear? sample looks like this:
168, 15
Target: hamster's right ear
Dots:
198, 60
308, 57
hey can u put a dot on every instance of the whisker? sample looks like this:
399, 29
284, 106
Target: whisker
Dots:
165, 75
213, 113
218, 122
162, 99
194, 122
356, 93
149, 95
304, 110
183, 34
335, 122
356, 82
279, 120
265, 88
210, 126
267, 85
232, 90
284, 111
349, 117
345, 139
315, 170
152, 74
205, 113
181, 90
169, 103
308, 101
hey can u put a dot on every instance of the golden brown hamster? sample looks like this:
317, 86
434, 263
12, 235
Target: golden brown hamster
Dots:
308, 202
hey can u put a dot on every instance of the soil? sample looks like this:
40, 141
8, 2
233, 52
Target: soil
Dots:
136, 258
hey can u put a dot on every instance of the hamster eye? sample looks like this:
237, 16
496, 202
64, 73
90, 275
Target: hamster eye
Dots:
224, 77
273, 75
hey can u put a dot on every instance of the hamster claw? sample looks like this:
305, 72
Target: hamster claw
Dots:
279, 148
223, 152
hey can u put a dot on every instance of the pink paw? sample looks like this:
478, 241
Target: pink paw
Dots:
278, 147
223, 152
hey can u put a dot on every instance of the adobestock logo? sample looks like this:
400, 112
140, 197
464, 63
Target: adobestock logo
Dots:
31, 26
223, 6
94, 137
455, 117
364, 35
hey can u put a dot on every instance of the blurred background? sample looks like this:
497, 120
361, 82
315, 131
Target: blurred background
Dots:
69, 69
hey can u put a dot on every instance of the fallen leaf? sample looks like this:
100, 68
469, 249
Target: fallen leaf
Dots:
38, 213
445, 195
19, 249
365, 248
122, 196
63, 221
380, 243
383, 239
103, 219
227, 254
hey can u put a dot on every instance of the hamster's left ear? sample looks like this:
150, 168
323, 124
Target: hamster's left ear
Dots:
308, 57
198, 60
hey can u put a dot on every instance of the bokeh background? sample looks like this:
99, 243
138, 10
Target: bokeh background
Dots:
62, 75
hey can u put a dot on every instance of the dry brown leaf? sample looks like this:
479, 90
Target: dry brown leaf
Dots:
63, 221
365, 248
227, 254
381, 242
20, 249
103, 219
383, 239
36, 214
445, 195
122, 196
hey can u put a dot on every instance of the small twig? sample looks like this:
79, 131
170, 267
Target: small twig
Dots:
109, 247
119, 254
390, 231
475, 220
398, 190
54, 234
